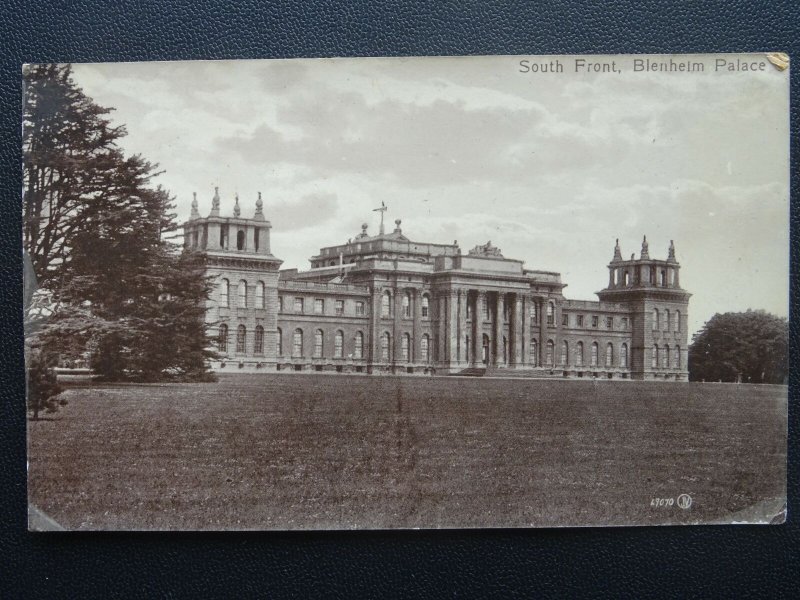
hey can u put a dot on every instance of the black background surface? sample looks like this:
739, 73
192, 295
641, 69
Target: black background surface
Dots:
667, 561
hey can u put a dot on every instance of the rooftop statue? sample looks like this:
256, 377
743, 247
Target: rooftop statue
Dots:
486, 250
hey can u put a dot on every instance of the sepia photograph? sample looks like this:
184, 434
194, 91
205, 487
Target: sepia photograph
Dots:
406, 293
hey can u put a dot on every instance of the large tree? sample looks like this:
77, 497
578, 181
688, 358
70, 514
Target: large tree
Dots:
752, 347
97, 232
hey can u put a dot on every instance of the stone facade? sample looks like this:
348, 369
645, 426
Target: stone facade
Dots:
385, 304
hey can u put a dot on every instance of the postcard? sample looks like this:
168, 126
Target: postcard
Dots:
396, 293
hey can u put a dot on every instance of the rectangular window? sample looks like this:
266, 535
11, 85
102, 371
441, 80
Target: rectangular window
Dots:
339, 307
579, 319
298, 305
565, 320
595, 321
609, 322
360, 309
624, 322
319, 306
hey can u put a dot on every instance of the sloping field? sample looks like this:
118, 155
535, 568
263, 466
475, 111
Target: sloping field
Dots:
337, 451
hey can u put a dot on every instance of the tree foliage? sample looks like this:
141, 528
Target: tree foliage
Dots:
97, 232
752, 347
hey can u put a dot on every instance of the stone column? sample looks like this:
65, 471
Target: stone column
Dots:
441, 328
525, 329
463, 300
373, 352
497, 345
452, 326
397, 331
541, 313
477, 298
515, 331
416, 299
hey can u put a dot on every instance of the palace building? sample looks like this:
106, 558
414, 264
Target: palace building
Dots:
385, 304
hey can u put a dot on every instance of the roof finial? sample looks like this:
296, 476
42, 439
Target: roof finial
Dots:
215, 203
397, 226
671, 256
195, 213
259, 216
617, 252
381, 210
236, 210
645, 248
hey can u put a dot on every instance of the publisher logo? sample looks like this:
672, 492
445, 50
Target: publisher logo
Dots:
684, 501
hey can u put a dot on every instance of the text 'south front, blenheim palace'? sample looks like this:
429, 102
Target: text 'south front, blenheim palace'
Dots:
384, 304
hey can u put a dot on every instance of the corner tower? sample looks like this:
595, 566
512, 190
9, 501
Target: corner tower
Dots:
243, 308
651, 290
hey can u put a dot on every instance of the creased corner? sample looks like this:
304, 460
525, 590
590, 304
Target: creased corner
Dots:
779, 59
40, 521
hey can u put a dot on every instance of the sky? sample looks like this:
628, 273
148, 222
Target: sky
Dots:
551, 167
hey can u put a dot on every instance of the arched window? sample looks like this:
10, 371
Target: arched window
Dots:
656, 324
385, 347
425, 306
665, 358
676, 361
224, 293
386, 304
666, 320
663, 278
297, 343
549, 352
424, 348
257, 238
358, 351
593, 356
654, 360
241, 339
623, 356
579, 354
318, 339
534, 353
260, 294
564, 353
223, 338
223, 236
258, 342
677, 320
279, 342
551, 313
242, 294
407, 305
626, 278
338, 344
609, 354
240, 240
405, 347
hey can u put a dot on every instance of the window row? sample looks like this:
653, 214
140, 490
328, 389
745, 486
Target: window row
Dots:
665, 357
243, 299
241, 339
387, 305
577, 356
594, 321
661, 319
319, 305
299, 347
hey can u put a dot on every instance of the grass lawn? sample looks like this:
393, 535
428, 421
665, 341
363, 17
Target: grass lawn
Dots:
337, 451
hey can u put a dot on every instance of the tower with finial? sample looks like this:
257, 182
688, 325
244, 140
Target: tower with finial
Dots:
244, 306
650, 289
